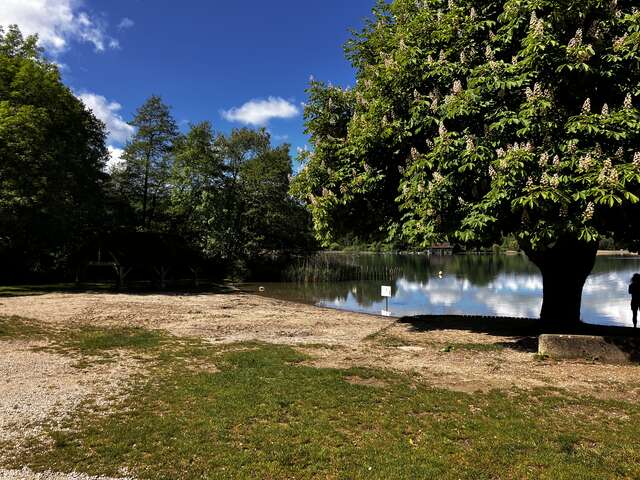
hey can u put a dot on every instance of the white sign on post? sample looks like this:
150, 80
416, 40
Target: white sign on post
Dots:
386, 293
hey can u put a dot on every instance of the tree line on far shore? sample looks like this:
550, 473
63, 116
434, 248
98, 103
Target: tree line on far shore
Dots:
199, 201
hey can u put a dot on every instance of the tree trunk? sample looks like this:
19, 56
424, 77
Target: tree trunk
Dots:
565, 267
162, 273
145, 193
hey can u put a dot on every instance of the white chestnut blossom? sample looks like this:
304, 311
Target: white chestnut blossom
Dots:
588, 212
529, 93
576, 41
619, 42
550, 180
586, 106
544, 159
608, 174
538, 29
470, 143
489, 54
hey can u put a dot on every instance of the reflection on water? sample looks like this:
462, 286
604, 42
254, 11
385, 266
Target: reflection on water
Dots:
470, 285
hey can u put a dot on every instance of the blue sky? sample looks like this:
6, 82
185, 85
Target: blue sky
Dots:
250, 59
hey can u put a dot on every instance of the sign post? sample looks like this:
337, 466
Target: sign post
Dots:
386, 293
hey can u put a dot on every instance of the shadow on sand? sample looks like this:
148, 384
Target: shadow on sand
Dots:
138, 288
522, 333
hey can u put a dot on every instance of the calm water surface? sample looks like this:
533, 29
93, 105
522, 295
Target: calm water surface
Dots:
471, 285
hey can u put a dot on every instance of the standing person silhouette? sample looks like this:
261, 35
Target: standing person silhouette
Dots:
634, 291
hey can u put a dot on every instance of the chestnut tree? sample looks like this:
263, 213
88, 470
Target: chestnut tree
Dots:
475, 119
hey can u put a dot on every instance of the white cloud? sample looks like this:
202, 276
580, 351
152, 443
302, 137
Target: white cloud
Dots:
119, 131
126, 23
62, 67
259, 112
115, 158
57, 22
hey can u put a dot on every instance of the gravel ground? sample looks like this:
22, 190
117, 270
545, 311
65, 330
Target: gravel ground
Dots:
40, 387
339, 339
26, 474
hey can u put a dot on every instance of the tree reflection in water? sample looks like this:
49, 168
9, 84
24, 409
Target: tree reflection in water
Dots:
471, 284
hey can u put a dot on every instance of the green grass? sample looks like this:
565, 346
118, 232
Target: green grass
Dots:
265, 414
92, 345
94, 340
473, 347
12, 328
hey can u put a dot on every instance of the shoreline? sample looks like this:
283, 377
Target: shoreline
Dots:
599, 253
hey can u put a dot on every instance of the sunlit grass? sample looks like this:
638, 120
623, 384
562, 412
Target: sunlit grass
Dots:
263, 413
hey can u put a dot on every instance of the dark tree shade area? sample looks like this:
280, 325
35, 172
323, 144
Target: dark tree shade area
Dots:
52, 157
179, 204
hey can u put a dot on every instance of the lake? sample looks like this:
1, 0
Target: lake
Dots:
500, 285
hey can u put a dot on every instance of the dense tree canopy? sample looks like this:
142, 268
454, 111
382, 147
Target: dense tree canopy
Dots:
192, 199
230, 194
475, 119
52, 156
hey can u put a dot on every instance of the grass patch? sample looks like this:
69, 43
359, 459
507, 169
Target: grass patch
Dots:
387, 340
99, 345
92, 340
266, 414
474, 347
12, 327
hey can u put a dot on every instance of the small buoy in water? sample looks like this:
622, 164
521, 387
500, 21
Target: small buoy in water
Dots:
261, 289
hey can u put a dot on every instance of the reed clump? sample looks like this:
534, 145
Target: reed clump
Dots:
338, 268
